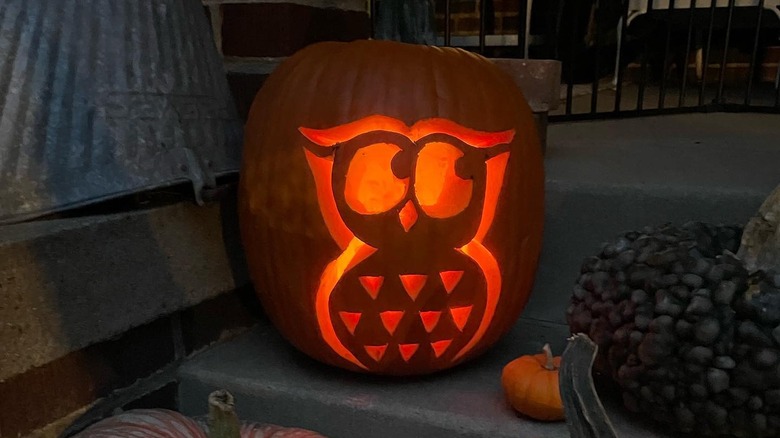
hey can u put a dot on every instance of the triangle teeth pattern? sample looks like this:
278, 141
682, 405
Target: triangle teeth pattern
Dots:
413, 284
350, 320
376, 351
439, 347
391, 319
372, 285
407, 350
450, 279
430, 319
460, 316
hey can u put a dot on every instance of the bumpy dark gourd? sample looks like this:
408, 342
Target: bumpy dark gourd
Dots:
691, 337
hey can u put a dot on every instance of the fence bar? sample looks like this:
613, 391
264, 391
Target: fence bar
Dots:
482, 26
777, 87
372, 6
594, 95
722, 74
447, 28
684, 82
522, 20
640, 99
707, 48
620, 72
754, 55
667, 43
572, 45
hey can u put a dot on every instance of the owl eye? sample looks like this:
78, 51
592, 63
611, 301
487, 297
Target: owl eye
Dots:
440, 192
371, 187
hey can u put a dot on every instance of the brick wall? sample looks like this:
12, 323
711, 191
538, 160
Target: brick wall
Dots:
464, 17
55, 380
255, 35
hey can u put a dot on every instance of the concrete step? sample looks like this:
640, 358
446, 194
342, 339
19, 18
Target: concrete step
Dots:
274, 383
602, 178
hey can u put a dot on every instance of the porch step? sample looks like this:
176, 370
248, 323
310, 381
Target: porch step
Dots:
274, 383
603, 177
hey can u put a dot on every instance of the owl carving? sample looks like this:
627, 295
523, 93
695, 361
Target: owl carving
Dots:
391, 204
407, 290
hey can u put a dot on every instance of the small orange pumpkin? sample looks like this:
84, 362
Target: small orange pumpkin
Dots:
531, 385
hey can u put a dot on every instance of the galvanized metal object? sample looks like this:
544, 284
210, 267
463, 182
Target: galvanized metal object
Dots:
102, 98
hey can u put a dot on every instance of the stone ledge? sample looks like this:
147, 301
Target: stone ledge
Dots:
346, 5
273, 383
68, 283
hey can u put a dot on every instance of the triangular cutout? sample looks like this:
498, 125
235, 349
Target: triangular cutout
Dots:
439, 347
450, 279
351, 320
408, 216
460, 315
407, 350
430, 319
390, 319
413, 284
376, 351
372, 285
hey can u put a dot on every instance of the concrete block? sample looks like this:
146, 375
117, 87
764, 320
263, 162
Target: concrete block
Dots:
68, 283
274, 383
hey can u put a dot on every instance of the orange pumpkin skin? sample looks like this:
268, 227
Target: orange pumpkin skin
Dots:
532, 389
391, 204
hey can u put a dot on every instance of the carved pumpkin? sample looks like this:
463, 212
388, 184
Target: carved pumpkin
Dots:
531, 385
391, 204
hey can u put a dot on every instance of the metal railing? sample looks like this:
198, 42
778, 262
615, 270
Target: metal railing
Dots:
647, 57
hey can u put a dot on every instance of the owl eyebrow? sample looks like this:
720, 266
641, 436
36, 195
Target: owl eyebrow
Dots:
339, 134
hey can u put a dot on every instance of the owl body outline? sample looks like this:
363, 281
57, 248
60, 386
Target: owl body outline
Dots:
360, 230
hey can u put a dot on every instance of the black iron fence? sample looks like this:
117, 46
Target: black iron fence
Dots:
627, 57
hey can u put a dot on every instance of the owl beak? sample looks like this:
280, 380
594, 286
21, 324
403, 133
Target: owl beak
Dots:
408, 216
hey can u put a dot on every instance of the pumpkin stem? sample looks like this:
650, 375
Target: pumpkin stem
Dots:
223, 421
548, 351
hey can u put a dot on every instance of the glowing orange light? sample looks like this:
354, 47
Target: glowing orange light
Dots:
371, 187
322, 169
356, 252
440, 192
460, 316
489, 267
413, 284
376, 351
496, 167
429, 319
439, 347
408, 216
390, 319
372, 285
348, 131
450, 279
350, 320
407, 350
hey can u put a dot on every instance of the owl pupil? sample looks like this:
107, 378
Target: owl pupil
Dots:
401, 165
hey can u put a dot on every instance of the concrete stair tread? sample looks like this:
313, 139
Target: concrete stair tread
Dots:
275, 383
680, 154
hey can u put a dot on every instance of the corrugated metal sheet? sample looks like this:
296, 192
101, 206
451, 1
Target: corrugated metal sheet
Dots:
100, 98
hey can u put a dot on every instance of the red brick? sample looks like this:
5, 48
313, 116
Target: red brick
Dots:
457, 6
281, 29
506, 6
33, 399
509, 25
